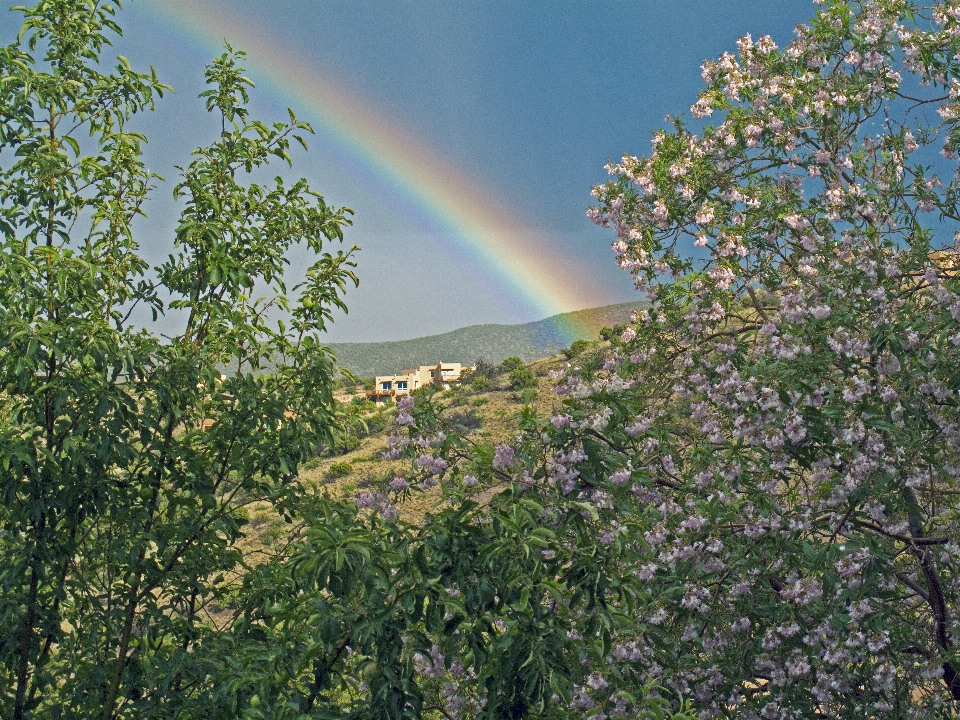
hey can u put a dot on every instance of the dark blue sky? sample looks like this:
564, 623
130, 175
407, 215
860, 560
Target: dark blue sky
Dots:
527, 99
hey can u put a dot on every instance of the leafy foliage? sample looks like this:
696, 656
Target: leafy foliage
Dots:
747, 499
129, 464
121, 504
578, 346
510, 364
341, 469
480, 383
522, 377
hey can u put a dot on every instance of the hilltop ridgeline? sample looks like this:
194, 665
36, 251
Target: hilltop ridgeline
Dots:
530, 341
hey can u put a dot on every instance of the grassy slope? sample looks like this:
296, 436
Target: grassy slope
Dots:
489, 413
493, 343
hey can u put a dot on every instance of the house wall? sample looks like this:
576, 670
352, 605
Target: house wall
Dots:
392, 385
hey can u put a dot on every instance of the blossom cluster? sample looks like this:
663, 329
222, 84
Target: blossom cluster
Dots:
758, 476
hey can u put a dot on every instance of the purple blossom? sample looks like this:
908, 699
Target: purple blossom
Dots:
888, 364
620, 476
639, 426
504, 456
398, 484
702, 108
366, 500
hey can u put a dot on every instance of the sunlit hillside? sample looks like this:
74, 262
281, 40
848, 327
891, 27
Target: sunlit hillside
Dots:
530, 341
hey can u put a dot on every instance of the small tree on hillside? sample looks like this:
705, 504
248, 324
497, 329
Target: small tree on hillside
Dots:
510, 364
522, 377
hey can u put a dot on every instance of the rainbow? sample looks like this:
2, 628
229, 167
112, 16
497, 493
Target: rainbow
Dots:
518, 256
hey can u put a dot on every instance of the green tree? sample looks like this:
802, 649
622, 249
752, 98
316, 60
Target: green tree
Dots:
482, 367
510, 364
480, 383
522, 377
121, 506
578, 346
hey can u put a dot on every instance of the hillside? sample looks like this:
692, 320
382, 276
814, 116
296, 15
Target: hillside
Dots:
530, 341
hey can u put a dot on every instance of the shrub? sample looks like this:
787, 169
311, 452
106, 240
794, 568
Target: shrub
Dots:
522, 377
377, 422
480, 383
482, 367
576, 347
344, 443
340, 469
510, 364
311, 463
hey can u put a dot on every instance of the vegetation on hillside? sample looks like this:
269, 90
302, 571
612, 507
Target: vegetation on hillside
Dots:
134, 474
493, 343
741, 502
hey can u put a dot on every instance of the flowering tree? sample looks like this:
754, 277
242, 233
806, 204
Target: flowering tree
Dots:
757, 485
746, 501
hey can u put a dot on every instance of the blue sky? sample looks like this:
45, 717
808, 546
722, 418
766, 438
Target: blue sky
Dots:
529, 100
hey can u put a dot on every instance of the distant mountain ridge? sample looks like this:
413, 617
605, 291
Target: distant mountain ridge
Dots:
530, 341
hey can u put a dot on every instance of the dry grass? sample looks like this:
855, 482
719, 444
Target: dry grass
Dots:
488, 416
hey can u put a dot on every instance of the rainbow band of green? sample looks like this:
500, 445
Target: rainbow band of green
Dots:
520, 258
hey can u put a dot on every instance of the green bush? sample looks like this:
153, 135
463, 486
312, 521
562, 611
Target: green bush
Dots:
576, 347
342, 444
510, 364
377, 422
522, 377
312, 463
276, 530
480, 383
341, 469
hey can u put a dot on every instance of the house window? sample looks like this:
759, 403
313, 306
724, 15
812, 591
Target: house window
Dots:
386, 386
401, 385
431, 373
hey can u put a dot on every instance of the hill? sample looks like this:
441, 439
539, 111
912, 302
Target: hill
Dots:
530, 341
